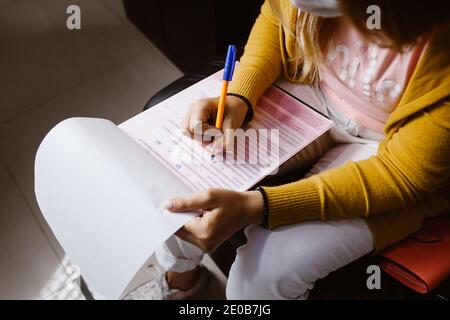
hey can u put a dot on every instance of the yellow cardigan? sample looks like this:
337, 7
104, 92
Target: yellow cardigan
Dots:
408, 179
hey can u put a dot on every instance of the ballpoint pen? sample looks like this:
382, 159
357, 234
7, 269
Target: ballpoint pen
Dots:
227, 76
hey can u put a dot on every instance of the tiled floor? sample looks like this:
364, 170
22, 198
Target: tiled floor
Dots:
48, 73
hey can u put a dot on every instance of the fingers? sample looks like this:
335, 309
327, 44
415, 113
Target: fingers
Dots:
203, 200
201, 111
186, 119
197, 123
226, 141
221, 216
198, 232
186, 236
199, 119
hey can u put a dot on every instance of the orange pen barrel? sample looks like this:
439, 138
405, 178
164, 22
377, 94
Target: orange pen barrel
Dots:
221, 106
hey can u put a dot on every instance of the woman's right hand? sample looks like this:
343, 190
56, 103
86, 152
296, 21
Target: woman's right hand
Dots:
201, 116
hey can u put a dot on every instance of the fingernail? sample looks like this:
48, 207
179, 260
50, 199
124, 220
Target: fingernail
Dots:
167, 205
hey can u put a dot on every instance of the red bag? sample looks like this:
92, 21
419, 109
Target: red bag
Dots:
422, 261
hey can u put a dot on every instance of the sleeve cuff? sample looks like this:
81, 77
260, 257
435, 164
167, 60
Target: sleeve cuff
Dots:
250, 110
293, 203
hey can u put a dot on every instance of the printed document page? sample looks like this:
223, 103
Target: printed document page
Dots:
281, 127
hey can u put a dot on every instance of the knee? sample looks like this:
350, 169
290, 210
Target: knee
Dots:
243, 286
246, 278
270, 281
272, 266
233, 290
259, 272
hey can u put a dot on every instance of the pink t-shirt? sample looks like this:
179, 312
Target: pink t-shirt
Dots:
363, 81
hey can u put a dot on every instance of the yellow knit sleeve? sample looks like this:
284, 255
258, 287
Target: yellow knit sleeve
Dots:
261, 62
414, 162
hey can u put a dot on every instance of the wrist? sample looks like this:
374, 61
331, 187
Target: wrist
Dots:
255, 207
245, 103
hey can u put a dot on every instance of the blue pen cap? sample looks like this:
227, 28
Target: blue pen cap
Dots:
229, 63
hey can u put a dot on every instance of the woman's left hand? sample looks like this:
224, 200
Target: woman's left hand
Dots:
224, 213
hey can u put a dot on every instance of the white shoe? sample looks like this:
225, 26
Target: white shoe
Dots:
157, 287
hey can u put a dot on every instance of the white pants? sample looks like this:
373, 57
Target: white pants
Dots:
286, 262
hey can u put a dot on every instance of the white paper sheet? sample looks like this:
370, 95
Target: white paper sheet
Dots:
100, 193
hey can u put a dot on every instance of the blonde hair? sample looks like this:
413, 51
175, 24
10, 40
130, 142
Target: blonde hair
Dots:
404, 21
310, 33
